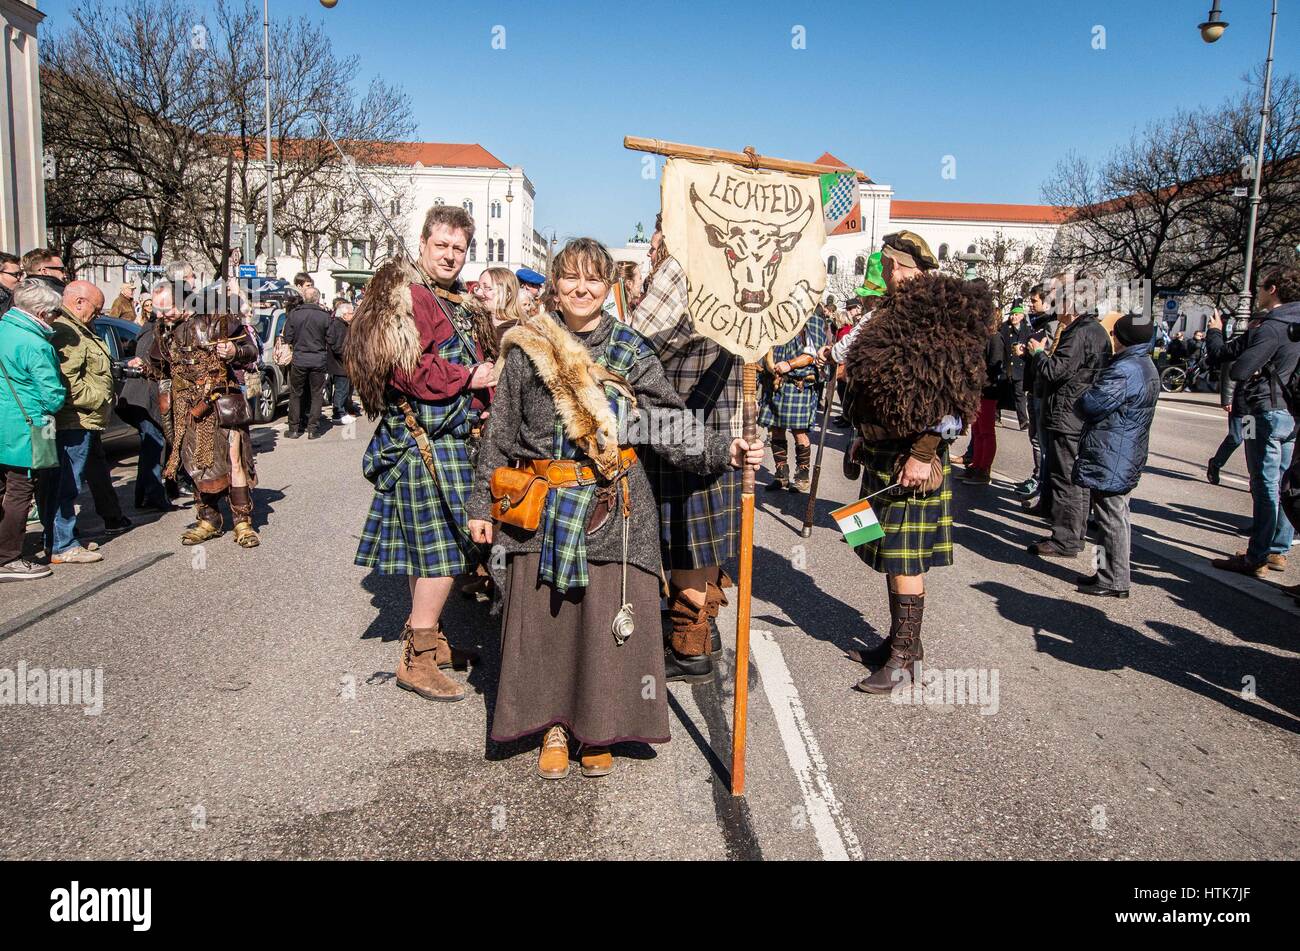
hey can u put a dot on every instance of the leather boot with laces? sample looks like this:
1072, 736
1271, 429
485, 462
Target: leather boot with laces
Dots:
418, 671
905, 648
553, 760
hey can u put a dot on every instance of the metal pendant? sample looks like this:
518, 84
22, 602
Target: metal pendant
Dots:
623, 625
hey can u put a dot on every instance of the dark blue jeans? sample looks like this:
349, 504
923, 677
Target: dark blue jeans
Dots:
149, 487
1268, 455
81, 458
1229, 444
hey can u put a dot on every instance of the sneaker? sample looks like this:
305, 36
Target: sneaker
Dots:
1027, 489
20, 569
117, 526
976, 477
76, 555
1212, 472
347, 418
315, 434
291, 434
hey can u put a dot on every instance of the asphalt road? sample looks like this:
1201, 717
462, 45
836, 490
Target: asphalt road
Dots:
248, 709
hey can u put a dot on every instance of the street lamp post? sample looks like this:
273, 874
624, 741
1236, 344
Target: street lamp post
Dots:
510, 197
270, 165
1211, 30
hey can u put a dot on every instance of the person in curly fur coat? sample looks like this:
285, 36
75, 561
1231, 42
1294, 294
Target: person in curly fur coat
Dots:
916, 372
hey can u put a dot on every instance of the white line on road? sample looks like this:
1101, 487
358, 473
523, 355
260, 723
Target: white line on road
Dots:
1220, 417
834, 832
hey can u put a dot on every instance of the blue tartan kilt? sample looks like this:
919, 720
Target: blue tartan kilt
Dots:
416, 526
918, 531
789, 407
699, 516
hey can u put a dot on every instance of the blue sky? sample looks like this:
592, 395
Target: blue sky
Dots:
1006, 88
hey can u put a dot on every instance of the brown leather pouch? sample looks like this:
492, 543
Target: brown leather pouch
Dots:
518, 496
233, 411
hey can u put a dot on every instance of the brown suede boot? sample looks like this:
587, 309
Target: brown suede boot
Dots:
418, 670
686, 656
905, 648
241, 513
780, 462
714, 599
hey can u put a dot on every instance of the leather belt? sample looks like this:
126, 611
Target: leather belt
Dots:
568, 473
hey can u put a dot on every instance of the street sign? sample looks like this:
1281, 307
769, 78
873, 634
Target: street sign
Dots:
1240, 192
144, 269
248, 270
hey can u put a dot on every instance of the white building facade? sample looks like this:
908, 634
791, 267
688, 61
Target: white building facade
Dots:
22, 180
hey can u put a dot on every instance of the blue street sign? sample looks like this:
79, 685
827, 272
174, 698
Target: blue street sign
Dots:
248, 270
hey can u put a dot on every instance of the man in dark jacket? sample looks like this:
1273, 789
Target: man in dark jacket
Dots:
1081, 350
1045, 326
337, 340
138, 405
11, 272
1117, 412
307, 331
1015, 334
1263, 359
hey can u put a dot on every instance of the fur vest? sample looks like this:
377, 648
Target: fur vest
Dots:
576, 384
921, 356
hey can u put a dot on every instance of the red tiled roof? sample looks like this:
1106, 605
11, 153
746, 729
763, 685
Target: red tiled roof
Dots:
977, 211
428, 154
452, 154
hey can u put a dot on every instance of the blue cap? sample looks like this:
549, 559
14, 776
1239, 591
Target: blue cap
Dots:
527, 275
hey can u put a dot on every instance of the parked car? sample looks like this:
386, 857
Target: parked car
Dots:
119, 336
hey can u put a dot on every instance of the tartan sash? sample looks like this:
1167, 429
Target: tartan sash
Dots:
563, 563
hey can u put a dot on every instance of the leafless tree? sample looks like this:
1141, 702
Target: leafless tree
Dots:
1010, 267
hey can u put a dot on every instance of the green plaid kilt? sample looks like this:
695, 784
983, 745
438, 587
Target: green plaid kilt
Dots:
699, 516
790, 407
918, 531
416, 526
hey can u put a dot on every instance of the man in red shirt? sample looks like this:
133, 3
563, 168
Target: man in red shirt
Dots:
414, 360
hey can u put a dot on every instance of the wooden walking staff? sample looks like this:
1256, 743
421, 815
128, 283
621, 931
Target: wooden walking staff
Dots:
821, 447
744, 582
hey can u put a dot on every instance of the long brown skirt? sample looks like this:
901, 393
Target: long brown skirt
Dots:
560, 663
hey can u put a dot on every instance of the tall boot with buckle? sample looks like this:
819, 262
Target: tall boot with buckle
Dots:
905, 648
418, 670
241, 513
686, 655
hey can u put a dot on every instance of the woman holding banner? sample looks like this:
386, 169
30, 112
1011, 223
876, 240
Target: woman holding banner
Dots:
581, 653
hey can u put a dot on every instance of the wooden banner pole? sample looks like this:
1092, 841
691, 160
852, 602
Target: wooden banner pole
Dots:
810, 513
744, 588
750, 158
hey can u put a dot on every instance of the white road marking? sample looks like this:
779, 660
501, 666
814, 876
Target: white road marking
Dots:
1221, 417
830, 824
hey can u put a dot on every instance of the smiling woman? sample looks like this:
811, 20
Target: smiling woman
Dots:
582, 654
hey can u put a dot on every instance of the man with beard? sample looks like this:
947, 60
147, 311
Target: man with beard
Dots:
699, 516
414, 360
198, 344
929, 326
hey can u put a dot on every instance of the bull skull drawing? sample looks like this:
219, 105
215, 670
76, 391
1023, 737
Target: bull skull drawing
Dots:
753, 250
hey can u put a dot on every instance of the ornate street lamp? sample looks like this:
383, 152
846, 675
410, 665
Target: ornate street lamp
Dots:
1213, 28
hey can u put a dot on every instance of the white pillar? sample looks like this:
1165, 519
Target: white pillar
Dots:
22, 182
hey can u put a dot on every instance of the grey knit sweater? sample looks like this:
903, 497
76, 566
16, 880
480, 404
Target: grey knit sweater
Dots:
522, 426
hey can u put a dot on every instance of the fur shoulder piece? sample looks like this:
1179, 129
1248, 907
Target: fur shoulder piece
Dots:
383, 336
921, 355
576, 384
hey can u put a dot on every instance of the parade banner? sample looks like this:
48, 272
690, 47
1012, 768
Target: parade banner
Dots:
750, 240
841, 203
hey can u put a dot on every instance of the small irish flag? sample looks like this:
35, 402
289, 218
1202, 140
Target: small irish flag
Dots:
858, 523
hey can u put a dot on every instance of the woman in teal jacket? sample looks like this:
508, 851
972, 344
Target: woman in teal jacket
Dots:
30, 377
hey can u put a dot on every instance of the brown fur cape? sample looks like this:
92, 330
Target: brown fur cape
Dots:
920, 356
383, 336
576, 384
